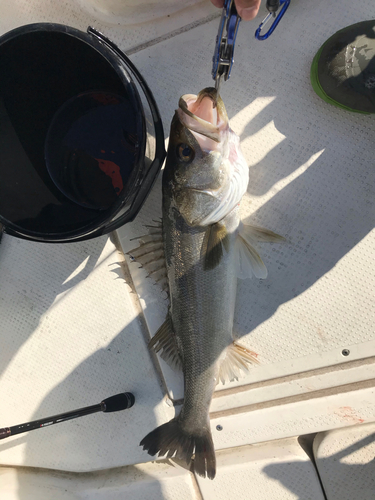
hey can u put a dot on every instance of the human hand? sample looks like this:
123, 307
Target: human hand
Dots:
247, 9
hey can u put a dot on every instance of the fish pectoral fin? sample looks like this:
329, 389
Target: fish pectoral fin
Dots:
164, 342
256, 233
236, 359
249, 261
215, 240
150, 254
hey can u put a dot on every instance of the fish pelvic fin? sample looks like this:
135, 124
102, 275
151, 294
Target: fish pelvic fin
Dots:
237, 359
164, 342
215, 241
249, 262
172, 440
150, 254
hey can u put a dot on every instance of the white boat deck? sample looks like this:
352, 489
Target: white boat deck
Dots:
73, 331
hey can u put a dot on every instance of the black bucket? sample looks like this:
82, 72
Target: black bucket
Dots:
81, 139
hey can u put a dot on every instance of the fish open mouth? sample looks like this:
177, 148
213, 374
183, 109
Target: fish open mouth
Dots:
204, 107
204, 114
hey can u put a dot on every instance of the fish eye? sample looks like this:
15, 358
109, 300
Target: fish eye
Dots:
185, 152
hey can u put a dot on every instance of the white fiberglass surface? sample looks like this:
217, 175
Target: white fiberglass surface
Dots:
71, 331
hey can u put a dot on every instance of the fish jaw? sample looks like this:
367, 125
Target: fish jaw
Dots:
237, 186
204, 207
204, 114
210, 183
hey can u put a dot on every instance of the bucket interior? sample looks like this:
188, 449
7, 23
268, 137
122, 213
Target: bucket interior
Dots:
42, 71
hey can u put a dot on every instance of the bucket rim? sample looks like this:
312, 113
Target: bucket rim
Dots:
126, 71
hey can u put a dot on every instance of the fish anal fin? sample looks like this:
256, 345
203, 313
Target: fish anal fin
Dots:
237, 359
216, 239
164, 343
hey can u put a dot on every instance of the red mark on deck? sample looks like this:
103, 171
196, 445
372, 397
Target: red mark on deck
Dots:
349, 414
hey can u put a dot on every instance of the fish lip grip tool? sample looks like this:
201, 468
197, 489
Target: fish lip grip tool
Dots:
225, 41
222, 60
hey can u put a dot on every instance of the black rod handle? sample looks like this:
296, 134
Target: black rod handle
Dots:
114, 403
55, 419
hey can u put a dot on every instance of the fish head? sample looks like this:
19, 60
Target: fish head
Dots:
202, 160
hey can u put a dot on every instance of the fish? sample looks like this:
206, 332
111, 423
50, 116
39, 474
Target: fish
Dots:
196, 254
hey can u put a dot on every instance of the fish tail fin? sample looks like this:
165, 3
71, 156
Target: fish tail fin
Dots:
172, 439
205, 460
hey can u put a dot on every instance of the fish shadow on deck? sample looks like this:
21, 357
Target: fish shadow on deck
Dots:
319, 189
318, 185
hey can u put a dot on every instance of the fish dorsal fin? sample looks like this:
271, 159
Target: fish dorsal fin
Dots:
249, 262
164, 342
236, 359
150, 254
215, 240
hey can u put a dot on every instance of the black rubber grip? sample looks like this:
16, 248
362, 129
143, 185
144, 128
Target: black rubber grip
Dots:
118, 402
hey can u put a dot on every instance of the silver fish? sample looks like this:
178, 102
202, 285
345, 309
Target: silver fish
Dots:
198, 252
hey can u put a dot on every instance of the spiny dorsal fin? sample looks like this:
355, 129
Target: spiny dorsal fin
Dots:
236, 359
249, 261
165, 341
150, 254
215, 239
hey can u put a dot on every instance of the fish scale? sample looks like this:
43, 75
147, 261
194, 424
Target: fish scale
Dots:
203, 326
